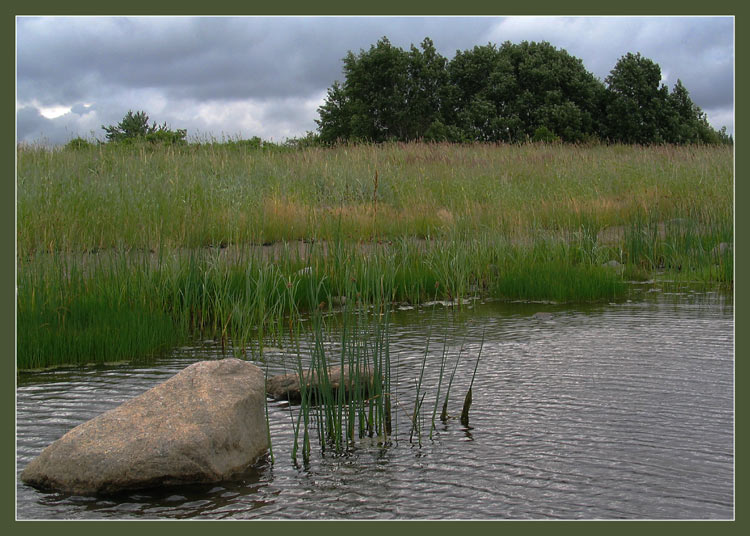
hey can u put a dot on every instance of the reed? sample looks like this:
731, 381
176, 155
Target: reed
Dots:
469, 396
359, 400
419, 400
444, 411
443, 357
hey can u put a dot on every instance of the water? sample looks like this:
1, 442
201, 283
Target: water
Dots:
619, 411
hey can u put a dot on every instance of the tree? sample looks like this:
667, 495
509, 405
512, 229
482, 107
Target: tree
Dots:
376, 86
687, 122
554, 90
637, 107
134, 126
387, 94
640, 109
511, 93
427, 78
481, 86
523, 87
335, 116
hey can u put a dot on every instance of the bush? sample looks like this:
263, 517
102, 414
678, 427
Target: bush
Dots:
310, 139
543, 134
78, 144
135, 127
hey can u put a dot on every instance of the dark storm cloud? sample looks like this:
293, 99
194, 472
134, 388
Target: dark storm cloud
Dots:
205, 58
30, 122
266, 76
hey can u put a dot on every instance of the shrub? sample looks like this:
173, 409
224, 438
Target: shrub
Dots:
543, 134
135, 127
78, 144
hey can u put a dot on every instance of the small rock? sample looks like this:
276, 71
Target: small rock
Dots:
287, 386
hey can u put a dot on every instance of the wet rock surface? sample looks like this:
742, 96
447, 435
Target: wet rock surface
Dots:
287, 386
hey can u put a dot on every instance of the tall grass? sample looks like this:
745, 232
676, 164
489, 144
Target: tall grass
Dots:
188, 197
112, 262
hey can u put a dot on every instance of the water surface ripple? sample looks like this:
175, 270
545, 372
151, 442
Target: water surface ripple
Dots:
620, 411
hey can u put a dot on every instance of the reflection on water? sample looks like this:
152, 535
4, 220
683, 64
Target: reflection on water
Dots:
594, 412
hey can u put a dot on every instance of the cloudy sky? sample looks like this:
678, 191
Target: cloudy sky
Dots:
266, 76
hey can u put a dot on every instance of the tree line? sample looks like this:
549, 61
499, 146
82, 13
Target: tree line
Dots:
511, 93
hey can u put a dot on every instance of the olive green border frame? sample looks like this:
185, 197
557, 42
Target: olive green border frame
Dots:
330, 7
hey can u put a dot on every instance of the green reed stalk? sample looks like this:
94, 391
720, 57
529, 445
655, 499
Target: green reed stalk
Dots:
444, 412
268, 423
468, 399
440, 382
418, 401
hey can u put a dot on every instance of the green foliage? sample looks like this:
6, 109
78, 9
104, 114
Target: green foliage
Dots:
253, 143
335, 116
505, 94
635, 100
310, 139
641, 110
165, 136
79, 144
134, 127
427, 79
388, 94
543, 134
534, 84
440, 132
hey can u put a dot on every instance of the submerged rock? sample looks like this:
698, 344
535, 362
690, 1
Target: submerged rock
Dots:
287, 386
204, 424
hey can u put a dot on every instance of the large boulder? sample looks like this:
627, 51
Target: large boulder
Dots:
204, 424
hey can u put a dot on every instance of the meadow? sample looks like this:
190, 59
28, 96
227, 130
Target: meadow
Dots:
124, 252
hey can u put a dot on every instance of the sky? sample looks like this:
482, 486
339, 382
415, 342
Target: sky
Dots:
239, 77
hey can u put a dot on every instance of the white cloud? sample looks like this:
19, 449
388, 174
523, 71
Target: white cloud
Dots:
51, 112
271, 119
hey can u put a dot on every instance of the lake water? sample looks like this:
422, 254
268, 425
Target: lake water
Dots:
615, 411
